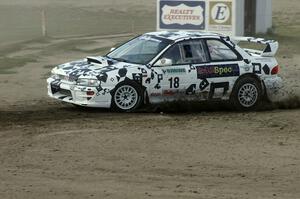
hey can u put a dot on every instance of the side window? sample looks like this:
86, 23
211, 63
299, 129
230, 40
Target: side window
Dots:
173, 54
219, 51
193, 52
187, 52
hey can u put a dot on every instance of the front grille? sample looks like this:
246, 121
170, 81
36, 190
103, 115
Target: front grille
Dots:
65, 92
55, 86
56, 89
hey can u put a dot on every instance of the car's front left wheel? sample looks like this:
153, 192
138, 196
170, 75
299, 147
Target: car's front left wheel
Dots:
127, 97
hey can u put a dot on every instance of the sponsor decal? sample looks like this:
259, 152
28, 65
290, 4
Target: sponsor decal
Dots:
209, 15
169, 92
213, 71
220, 15
174, 70
186, 15
182, 15
155, 94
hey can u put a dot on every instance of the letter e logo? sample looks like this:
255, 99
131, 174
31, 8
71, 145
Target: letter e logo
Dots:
220, 13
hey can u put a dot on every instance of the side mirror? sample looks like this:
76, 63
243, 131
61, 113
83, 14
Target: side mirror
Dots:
112, 49
164, 62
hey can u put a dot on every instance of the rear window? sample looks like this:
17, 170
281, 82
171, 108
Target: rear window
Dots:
219, 51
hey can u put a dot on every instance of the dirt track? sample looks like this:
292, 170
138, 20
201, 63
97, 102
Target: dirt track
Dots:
51, 150
62, 152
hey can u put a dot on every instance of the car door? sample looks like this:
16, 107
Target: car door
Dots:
217, 77
177, 76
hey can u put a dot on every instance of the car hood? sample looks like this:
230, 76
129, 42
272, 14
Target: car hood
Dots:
90, 67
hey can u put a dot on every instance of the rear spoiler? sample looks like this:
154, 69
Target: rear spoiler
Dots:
269, 51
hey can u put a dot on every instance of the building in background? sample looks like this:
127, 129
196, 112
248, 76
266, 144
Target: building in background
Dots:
231, 17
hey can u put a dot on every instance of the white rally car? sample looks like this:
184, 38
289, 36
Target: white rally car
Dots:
168, 66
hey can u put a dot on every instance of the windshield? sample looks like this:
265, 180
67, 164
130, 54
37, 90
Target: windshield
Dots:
140, 50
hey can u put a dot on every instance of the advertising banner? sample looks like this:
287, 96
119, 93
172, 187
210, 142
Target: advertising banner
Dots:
197, 15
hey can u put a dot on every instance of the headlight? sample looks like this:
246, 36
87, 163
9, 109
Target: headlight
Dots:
54, 76
88, 82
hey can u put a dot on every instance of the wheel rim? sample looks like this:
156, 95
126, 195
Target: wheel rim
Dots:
247, 95
126, 97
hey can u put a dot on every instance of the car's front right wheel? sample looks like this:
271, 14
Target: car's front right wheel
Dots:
246, 94
127, 97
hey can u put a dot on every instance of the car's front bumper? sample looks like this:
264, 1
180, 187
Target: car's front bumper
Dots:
78, 95
273, 86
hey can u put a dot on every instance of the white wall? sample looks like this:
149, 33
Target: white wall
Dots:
240, 19
263, 15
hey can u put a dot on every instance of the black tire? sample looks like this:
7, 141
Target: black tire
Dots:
247, 94
134, 94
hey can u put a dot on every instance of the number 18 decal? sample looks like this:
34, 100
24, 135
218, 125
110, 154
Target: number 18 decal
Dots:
174, 82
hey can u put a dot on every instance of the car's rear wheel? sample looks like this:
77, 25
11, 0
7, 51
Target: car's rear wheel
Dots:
247, 94
127, 97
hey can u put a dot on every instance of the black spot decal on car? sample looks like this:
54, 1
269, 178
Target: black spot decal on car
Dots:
122, 72
107, 69
137, 77
268, 49
80, 63
102, 77
99, 88
148, 80
256, 68
214, 86
81, 72
191, 89
204, 84
144, 72
152, 75
266, 69
192, 68
157, 86
160, 77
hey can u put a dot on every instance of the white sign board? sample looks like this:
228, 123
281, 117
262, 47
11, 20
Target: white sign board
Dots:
197, 15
